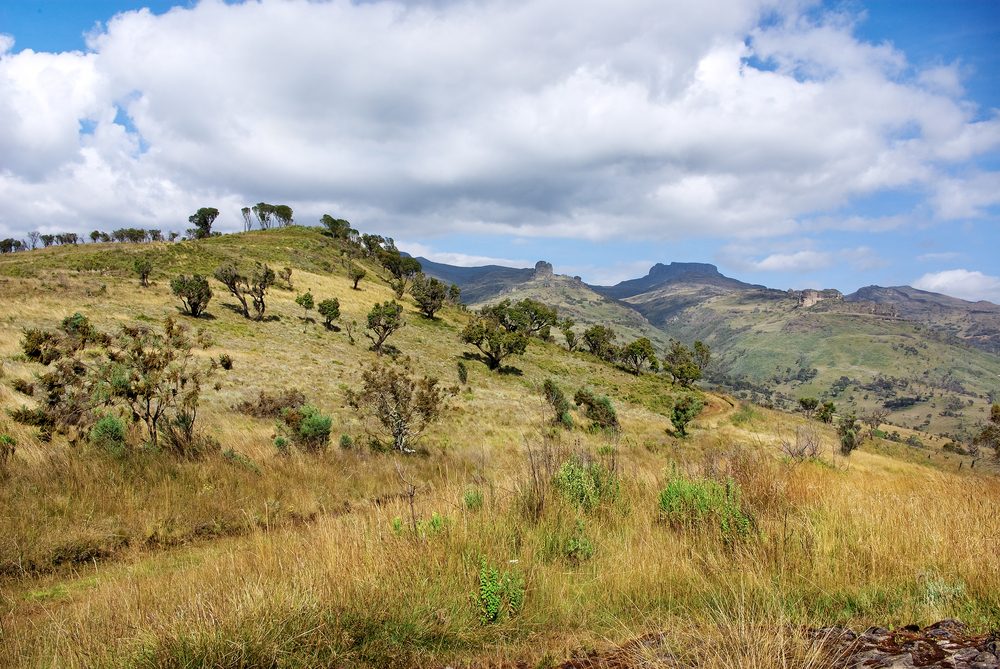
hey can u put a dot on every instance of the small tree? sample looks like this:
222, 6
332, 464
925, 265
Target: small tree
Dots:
194, 291
493, 340
566, 327
600, 340
989, 435
306, 301
534, 318
398, 407
872, 419
702, 355
356, 273
383, 320
429, 294
808, 405
202, 221
330, 311
285, 274
143, 267
230, 277
255, 286
638, 355
684, 411
849, 433
454, 294
681, 364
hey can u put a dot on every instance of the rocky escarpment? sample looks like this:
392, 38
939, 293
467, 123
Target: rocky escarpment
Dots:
944, 644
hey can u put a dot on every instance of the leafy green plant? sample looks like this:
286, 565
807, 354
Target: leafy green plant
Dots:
745, 415
282, 445
560, 405
684, 411
691, 503
598, 409
194, 291
472, 498
500, 595
108, 434
463, 373
308, 427
346, 442
330, 311
585, 483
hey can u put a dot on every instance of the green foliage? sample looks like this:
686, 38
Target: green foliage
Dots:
143, 268
500, 594
240, 460
598, 409
745, 415
202, 221
337, 228
691, 503
600, 340
429, 294
682, 364
108, 434
684, 410
383, 320
346, 442
638, 355
330, 311
559, 403
254, 286
989, 435
463, 373
472, 498
825, 412
194, 291
494, 340
308, 427
306, 301
8, 446
282, 445
849, 432
586, 483
355, 273
808, 405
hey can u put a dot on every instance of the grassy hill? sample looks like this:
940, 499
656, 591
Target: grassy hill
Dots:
519, 540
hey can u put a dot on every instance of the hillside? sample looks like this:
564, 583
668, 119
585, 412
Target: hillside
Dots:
505, 539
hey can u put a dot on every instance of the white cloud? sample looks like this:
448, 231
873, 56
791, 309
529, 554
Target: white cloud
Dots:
459, 259
802, 261
6, 43
547, 118
938, 257
962, 283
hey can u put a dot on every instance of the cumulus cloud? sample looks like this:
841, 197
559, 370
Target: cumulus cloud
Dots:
646, 119
459, 259
962, 283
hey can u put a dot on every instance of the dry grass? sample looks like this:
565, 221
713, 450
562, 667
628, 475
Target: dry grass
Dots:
154, 562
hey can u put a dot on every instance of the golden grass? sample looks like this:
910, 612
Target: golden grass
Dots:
159, 563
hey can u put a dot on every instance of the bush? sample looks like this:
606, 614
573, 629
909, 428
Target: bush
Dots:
143, 268
684, 411
849, 432
598, 409
225, 361
463, 373
194, 291
330, 311
574, 547
472, 498
240, 460
8, 446
346, 442
308, 427
500, 594
108, 434
560, 405
23, 387
585, 483
271, 405
688, 504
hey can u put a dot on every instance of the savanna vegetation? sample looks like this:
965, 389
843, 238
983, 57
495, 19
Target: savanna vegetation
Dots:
193, 473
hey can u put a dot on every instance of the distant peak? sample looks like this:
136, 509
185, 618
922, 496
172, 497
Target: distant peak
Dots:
677, 268
543, 268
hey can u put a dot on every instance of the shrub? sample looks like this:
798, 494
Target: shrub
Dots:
573, 547
560, 405
598, 409
500, 594
429, 294
495, 338
194, 291
108, 434
8, 446
356, 273
40, 346
825, 412
585, 483
143, 268
240, 460
308, 427
688, 504
281, 444
746, 414
383, 320
23, 387
849, 433
463, 373
806, 446
684, 411
270, 405
308, 303
330, 311
225, 361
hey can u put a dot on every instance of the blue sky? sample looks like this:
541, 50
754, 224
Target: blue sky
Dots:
794, 145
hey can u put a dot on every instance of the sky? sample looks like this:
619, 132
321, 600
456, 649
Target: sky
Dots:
792, 143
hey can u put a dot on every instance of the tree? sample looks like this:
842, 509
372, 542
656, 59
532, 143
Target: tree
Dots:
194, 291
283, 214
566, 327
202, 221
679, 361
702, 355
245, 212
534, 318
872, 419
264, 213
398, 406
383, 320
808, 405
47, 240
330, 311
306, 301
230, 277
429, 294
285, 274
684, 411
403, 268
600, 340
143, 267
598, 409
559, 403
454, 294
989, 435
255, 286
356, 273
638, 355
34, 235
10, 245
337, 228
826, 411
261, 279
486, 332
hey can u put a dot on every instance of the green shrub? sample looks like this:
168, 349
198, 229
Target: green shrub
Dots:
472, 499
240, 460
194, 291
330, 311
281, 444
584, 483
463, 372
560, 405
574, 547
684, 411
108, 434
8, 445
500, 595
346, 442
745, 415
689, 503
313, 429
598, 409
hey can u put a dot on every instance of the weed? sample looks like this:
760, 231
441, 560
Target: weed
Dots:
690, 503
500, 594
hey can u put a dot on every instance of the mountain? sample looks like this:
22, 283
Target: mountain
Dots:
477, 283
676, 272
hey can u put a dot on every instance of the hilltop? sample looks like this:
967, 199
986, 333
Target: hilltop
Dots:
506, 538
